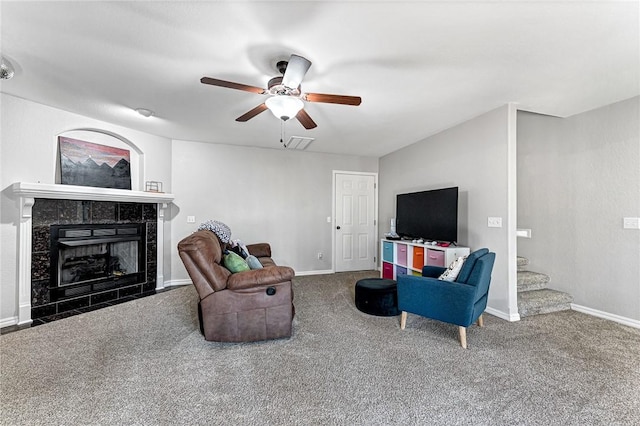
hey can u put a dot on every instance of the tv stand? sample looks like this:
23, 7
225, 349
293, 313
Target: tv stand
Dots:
405, 257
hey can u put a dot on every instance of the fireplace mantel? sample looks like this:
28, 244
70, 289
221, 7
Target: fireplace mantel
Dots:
29, 192
72, 192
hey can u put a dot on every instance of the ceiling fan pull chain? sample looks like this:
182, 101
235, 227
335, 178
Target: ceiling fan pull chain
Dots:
282, 131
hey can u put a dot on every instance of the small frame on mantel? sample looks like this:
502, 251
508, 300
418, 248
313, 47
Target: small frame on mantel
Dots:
153, 186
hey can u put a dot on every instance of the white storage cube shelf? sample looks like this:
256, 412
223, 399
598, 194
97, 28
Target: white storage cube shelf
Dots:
405, 257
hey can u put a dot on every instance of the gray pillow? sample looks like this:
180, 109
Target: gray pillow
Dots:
253, 262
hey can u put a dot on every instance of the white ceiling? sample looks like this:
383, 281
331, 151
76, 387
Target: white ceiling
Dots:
420, 67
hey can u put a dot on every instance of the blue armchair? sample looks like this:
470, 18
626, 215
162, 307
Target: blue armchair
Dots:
460, 302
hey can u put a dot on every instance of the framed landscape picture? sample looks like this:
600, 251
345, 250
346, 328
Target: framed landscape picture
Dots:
89, 164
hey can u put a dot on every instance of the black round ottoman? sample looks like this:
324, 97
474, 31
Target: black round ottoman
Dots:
377, 296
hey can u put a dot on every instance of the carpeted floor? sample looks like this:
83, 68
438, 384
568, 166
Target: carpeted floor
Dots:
145, 362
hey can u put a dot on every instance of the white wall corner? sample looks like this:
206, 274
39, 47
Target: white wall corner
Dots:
503, 315
512, 209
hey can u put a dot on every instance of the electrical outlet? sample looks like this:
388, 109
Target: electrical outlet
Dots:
191, 219
320, 256
328, 219
631, 223
494, 222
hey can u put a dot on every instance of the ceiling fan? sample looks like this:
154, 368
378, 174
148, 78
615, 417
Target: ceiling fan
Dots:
285, 93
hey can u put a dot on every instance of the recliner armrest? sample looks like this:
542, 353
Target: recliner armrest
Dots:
260, 277
259, 249
432, 271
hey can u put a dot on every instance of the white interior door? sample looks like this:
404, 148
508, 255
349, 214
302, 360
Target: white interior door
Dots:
355, 224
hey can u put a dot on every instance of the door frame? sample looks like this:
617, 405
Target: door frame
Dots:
375, 215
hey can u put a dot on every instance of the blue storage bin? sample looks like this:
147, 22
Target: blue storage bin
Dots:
387, 252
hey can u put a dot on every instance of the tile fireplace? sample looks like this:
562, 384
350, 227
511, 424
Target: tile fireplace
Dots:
89, 253
82, 248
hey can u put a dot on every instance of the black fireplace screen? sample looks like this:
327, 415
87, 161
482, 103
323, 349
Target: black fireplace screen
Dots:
87, 258
94, 261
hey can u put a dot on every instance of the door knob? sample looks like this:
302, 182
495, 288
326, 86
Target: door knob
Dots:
337, 227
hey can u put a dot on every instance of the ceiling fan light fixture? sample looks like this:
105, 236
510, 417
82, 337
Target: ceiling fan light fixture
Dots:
284, 107
284, 94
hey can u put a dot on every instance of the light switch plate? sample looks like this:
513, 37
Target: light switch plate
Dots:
523, 233
191, 219
631, 223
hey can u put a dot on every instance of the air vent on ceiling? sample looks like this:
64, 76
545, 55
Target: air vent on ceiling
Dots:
298, 142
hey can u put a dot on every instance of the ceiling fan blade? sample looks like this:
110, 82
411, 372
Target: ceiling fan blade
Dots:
295, 72
305, 120
232, 85
333, 99
250, 114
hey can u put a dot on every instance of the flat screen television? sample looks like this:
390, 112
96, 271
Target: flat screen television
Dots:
430, 215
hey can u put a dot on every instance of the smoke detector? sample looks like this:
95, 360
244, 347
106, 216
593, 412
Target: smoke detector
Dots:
6, 69
145, 112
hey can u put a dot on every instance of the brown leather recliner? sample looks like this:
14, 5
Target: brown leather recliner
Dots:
241, 307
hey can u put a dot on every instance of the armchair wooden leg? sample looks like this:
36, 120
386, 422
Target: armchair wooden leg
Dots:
480, 321
463, 336
403, 320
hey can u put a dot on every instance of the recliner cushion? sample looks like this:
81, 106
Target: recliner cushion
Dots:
234, 263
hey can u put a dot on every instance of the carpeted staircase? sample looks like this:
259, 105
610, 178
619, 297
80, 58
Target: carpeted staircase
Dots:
534, 297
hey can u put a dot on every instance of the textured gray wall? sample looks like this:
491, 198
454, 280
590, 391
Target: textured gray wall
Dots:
577, 178
265, 195
473, 156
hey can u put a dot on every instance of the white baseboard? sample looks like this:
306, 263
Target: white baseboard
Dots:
187, 281
503, 315
612, 317
7, 322
172, 283
323, 272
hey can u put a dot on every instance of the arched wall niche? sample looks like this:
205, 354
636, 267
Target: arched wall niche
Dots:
105, 137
